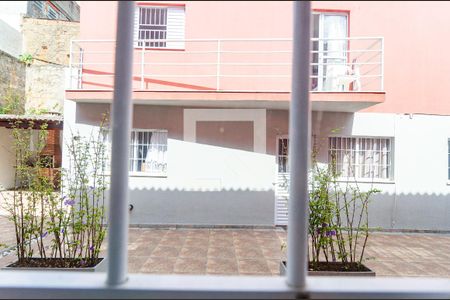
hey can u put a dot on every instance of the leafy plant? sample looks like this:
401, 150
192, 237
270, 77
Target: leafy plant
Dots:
12, 103
26, 58
68, 225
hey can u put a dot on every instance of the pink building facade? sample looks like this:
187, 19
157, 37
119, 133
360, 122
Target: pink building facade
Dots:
211, 97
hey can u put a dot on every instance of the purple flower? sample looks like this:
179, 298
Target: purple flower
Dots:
324, 225
330, 233
91, 187
91, 248
44, 235
69, 202
62, 230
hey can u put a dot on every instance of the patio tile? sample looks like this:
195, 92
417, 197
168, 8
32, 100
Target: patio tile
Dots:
221, 252
221, 266
135, 263
221, 243
160, 265
199, 252
171, 241
190, 265
252, 253
274, 266
253, 266
272, 253
196, 242
163, 251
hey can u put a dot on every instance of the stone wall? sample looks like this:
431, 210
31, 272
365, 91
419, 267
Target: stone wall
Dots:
48, 41
12, 76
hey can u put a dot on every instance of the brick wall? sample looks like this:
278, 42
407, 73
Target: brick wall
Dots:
48, 41
12, 75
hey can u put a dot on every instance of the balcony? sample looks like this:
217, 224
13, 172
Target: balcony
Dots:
346, 70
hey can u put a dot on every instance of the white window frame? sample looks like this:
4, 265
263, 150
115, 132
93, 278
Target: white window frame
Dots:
390, 179
321, 67
161, 11
140, 173
56, 284
174, 36
144, 173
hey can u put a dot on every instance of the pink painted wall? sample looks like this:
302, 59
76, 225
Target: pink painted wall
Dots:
417, 70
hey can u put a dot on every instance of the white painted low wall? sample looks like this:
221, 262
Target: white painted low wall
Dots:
6, 159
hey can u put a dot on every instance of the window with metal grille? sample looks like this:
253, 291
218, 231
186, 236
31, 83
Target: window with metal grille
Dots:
361, 158
282, 154
148, 151
152, 27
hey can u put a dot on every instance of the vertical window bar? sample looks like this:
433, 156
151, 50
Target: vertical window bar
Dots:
121, 127
299, 147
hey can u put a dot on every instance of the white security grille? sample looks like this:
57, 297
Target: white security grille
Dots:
282, 182
361, 158
148, 151
152, 27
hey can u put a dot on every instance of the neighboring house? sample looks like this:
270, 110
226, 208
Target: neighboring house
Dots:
41, 31
211, 98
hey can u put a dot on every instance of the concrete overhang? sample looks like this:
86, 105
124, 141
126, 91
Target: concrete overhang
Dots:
321, 101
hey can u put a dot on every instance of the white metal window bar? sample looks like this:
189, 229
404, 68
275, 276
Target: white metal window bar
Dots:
152, 31
282, 154
52, 285
361, 157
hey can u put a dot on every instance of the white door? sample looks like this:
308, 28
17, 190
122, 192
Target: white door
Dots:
282, 181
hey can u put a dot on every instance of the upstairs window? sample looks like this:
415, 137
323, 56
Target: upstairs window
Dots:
159, 27
329, 60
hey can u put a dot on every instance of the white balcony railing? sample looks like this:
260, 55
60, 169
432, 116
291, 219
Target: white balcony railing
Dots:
245, 65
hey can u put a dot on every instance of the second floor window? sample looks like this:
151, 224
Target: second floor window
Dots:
361, 158
154, 26
329, 50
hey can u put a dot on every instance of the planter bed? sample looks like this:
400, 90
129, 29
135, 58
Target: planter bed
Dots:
333, 269
58, 264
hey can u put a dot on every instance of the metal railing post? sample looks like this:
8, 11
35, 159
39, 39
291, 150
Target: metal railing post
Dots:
142, 65
299, 148
121, 126
218, 65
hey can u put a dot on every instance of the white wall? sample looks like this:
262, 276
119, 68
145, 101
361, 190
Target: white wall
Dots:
11, 12
6, 159
419, 195
10, 39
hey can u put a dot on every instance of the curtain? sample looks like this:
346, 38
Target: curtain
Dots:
156, 156
335, 55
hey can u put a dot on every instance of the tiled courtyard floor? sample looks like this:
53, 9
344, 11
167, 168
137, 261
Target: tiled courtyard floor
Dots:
257, 252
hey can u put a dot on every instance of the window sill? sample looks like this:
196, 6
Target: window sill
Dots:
159, 49
53, 284
141, 174
377, 181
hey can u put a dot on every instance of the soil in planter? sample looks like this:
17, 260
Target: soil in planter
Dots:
337, 267
55, 263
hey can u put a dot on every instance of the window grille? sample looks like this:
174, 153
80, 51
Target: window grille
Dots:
152, 27
148, 151
361, 158
282, 157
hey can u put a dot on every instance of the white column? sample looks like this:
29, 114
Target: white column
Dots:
299, 148
121, 126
